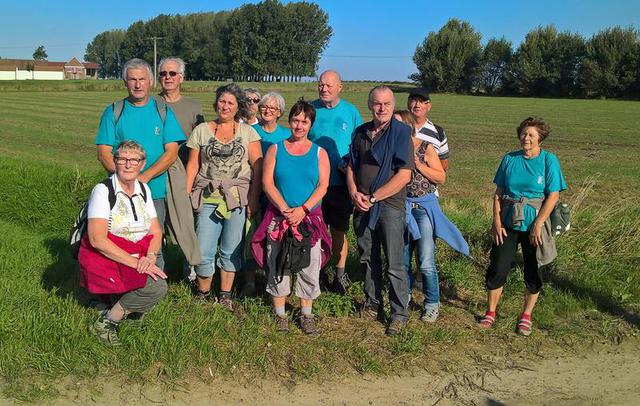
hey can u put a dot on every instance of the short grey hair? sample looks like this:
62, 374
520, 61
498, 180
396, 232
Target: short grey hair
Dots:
252, 90
238, 93
136, 63
129, 145
179, 61
378, 89
275, 96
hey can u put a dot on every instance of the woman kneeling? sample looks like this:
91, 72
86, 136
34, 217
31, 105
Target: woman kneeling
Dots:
118, 254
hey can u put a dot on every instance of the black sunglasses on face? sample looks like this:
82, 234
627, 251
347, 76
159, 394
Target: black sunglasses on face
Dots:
170, 73
254, 101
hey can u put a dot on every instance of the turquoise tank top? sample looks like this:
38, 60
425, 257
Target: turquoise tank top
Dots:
296, 176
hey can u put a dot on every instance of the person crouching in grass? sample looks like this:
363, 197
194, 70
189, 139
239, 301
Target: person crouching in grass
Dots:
118, 254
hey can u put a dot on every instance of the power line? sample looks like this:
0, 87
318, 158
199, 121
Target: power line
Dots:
370, 56
35, 46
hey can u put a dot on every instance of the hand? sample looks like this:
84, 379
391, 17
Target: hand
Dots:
498, 233
148, 266
361, 201
535, 234
294, 215
144, 178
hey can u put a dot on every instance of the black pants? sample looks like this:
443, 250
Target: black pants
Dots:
502, 256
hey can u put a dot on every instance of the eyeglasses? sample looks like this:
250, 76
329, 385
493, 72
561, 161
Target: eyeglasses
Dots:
132, 161
269, 108
254, 101
170, 73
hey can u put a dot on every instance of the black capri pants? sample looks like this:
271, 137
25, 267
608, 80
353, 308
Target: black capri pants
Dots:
502, 256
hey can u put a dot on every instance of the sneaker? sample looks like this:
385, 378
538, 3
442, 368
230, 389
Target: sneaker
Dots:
226, 302
282, 323
430, 314
341, 284
107, 330
308, 325
395, 327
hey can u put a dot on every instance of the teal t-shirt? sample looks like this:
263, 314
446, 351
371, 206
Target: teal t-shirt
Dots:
519, 177
268, 139
143, 125
333, 130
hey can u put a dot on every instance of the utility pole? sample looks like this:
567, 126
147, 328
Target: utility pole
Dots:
155, 60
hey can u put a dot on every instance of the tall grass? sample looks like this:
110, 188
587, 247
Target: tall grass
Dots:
48, 168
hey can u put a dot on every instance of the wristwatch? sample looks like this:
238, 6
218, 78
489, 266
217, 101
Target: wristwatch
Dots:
372, 199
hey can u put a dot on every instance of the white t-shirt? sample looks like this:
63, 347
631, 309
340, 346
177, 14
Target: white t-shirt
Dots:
428, 132
130, 218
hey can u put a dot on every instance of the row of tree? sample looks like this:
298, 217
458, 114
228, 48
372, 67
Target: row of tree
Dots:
547, 63
267, 41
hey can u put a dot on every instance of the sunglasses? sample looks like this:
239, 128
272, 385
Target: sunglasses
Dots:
254, 101
170, 73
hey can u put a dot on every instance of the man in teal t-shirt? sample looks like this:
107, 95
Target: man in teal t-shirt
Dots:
140, 121
336, 121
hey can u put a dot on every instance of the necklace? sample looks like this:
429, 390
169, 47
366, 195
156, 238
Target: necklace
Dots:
224, 139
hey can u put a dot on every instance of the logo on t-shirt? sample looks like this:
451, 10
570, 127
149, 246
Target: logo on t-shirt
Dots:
157, 131
344, 126
540, 180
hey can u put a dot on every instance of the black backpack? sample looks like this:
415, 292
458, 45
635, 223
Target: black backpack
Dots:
294, 255
79, 227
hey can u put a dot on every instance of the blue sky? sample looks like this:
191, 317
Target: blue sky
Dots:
372, 40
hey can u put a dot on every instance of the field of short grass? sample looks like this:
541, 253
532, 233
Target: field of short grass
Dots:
48, 166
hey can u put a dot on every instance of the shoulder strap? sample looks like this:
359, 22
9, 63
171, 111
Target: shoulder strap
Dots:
112, 193
144, 191
440, 130
161, 106
117, 107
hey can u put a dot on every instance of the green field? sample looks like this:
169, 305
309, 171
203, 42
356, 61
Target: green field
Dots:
48, 166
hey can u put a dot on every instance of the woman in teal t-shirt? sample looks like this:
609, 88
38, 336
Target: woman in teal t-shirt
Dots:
528, 185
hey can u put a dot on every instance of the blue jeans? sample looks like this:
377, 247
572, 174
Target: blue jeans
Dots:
387, 235
426, 260
211, 229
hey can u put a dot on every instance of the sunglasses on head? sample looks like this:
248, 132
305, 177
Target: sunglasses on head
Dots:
170, 73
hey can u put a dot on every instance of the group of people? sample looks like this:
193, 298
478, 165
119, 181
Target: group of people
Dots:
245, 181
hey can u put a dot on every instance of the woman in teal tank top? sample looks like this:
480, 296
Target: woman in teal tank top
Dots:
295, 178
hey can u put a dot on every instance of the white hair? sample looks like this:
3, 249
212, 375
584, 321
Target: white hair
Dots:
136, 63
275, 96
379, 88
179, 61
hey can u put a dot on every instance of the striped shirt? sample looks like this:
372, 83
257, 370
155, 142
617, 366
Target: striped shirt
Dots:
435, 135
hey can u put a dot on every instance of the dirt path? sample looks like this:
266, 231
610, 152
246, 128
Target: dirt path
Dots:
606, 375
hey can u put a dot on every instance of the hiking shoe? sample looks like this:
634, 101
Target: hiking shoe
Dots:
226, 302
430, 314
341, 284
106, 330
325, 285
204, 297
308, 325
395, 327
282, 323
370, 312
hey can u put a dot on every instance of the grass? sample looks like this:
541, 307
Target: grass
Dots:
48, 166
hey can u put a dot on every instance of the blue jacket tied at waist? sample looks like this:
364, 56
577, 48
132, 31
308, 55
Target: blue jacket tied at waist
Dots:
443, 228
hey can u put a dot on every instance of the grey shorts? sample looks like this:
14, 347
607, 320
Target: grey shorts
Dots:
307, 284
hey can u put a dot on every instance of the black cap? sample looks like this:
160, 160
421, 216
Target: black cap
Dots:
422, 93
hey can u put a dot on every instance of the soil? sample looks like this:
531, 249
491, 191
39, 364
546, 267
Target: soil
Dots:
607, 374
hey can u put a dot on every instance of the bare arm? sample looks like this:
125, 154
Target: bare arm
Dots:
105, 156
162, 164
445, 164
535, 235
255, 160
193, 165
431, 168
268, 184
360, 200
497, 230
394, 185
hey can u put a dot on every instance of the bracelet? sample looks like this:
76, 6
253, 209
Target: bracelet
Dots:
306, 211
